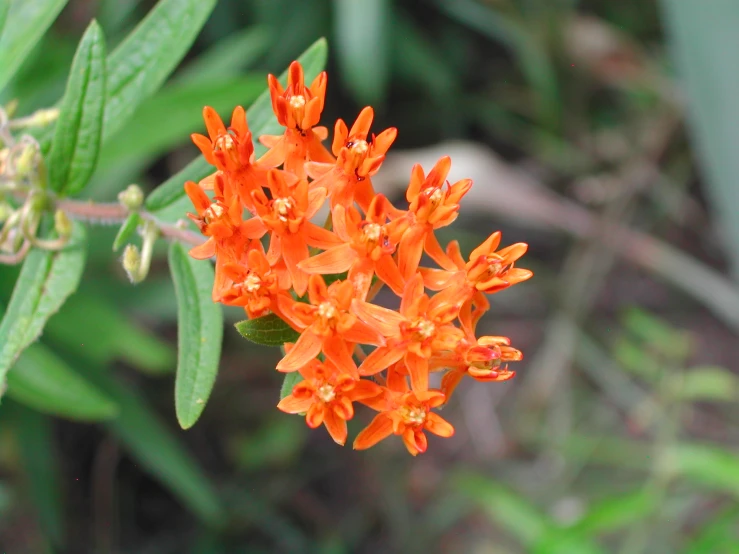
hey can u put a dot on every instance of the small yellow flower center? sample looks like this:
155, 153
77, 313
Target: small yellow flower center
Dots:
297, 102
225, 142
372, 232
213, 212
326, 392
283, 207
360, 147
436, 197
327, 310
252, 283
413, 415
423, 329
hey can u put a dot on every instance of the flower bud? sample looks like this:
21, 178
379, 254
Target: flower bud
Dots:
62, 225
132, 198
132, 263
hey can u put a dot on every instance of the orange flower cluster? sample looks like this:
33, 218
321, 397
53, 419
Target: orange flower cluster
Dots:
365, 244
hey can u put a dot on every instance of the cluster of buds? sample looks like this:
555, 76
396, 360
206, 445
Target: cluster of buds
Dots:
365, 244
23, 195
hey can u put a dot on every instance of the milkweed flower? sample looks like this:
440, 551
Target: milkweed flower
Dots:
322, 281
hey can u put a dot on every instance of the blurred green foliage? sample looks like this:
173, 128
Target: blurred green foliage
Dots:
632, 447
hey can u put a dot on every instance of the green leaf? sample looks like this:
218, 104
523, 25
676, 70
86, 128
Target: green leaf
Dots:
127, 230
38, 458
269, 330
704, 42
173, 189
43, 381
76, 143
262, 121
711, 466
93, 326
706, 384
25, 23
617, 512
45, 281
227, 57
156, 449
358, 24
4, 9
144, 60
718, 535
199, 334
289, 382
506, 508
168, 118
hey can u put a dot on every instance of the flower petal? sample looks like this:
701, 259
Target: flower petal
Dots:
379, 359
292, 405
307, 347
335, 426
379, 428
438, 425
387, 322
334, 260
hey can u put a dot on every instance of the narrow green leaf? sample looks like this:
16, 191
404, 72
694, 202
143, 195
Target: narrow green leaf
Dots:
199, 334
4, 9
76, 143
26, 22
173, 189
357, 24
707, 465
43, 381
170, 116
704, 42
144, 60
614, 513
228, 57
718, 535
156, 449
127, 230
45, 282
33, 433
706, 383
262, 121
291, 379
269, 330
92, 325
504, 507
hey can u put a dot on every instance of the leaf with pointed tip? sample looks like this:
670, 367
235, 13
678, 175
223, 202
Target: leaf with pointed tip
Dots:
127, 230
199, 334
268, 330
77, 135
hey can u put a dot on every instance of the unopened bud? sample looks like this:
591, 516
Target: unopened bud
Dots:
26, 159
62, 225
42, 118
132, 198
132, 263
11, 107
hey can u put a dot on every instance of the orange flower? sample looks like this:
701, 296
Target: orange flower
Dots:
406, 414
231, 151
286, 215
326, 395
422, 328
487, 271
357, 159
298, 108
327, 324
255, 284
367, 249
480, 358
432, 206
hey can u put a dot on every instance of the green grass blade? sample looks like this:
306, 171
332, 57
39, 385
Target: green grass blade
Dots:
44, 382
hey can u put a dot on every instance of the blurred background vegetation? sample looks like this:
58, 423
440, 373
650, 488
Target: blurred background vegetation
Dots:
601, 132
